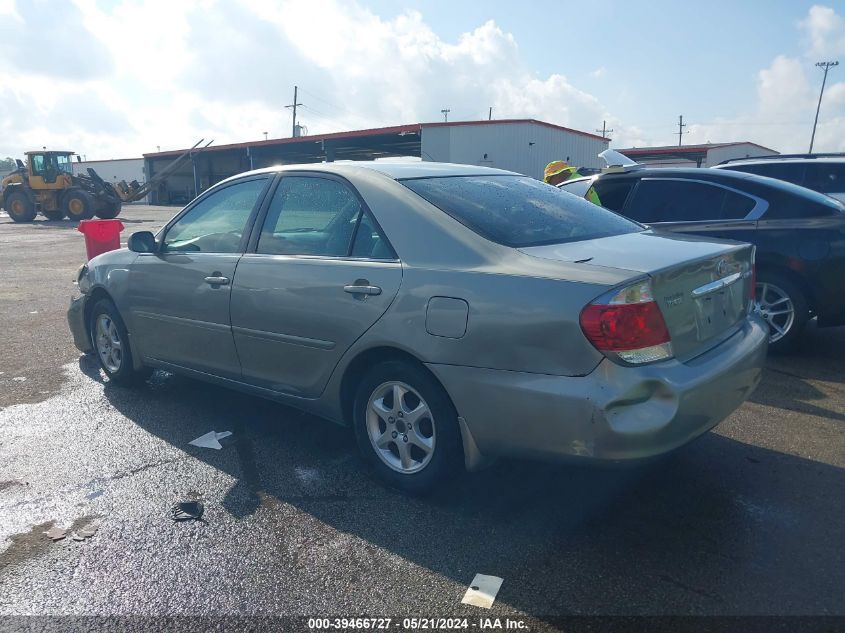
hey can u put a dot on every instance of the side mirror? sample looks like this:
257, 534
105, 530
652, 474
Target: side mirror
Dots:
142, 242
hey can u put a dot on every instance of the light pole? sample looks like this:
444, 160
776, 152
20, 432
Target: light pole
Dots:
827, 66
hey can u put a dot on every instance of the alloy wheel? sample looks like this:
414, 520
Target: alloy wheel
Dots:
108, 343
777, 309
400, 427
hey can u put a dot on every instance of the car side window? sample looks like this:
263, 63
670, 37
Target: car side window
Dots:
658, 200
216, 224
790, 172
310, 216
736, 206
370, 242
826, 177
613, 192
785, 206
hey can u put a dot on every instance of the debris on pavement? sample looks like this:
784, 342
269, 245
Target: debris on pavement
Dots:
210, 440
84, 533
56, 533
482, 592
187, 510
19, 379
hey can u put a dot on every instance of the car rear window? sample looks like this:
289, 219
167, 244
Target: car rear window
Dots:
518, 211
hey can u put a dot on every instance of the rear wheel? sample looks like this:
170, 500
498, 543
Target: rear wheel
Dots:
406, 426
19, 207
784, 308
109, 211
78, 205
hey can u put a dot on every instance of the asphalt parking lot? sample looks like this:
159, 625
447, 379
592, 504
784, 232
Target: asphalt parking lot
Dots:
748, 520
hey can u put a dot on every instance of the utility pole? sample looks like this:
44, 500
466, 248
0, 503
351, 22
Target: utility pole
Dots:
490, 114
265, 136
604, 131
827, 66
681, 126
293, 105
446, 112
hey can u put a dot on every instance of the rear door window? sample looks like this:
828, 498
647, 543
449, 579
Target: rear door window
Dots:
310, 216
784, 205
613, 191
825, 177
658, 200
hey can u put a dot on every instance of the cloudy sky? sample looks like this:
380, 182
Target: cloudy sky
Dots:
113, 79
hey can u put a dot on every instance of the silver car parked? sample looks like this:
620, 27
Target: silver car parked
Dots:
450, 313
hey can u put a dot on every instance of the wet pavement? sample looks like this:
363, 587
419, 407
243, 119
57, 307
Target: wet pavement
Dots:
747, 520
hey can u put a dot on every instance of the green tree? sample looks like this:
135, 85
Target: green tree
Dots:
7, 163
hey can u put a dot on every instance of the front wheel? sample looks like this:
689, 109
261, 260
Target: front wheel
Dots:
406, 426
784, 308
110, 342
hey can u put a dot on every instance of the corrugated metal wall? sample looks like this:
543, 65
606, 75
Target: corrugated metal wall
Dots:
741, 150
521, 147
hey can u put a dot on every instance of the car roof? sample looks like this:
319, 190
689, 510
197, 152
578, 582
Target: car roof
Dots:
725, 177
783, 158
398, 170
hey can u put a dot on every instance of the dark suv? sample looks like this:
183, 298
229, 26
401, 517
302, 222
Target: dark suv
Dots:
824, 173
799, 233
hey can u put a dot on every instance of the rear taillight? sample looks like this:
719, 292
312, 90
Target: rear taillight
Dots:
628, 326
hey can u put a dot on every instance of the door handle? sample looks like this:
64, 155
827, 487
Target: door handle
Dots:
217, 281
362, 290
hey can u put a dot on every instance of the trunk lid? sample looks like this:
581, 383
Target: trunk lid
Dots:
703, 287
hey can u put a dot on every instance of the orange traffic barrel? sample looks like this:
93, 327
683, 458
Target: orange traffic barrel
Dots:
101, 236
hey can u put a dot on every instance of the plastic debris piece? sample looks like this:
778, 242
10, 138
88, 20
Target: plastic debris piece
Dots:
87, 532
19, 379
210, 440
187, 510
56, 533
482, 592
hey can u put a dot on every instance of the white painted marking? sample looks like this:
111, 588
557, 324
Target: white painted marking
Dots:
482, 592
210, 440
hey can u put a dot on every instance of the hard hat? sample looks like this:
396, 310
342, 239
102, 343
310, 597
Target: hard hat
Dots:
556, 167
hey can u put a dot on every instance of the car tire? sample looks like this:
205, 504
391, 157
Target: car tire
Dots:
406, 427
19, 207
110, 345
784, 307
77, 205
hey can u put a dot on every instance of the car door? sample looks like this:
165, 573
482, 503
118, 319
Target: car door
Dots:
695, 206
179, 296
317, 276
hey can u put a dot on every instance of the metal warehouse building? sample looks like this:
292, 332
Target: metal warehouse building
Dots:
521, 145
705, 155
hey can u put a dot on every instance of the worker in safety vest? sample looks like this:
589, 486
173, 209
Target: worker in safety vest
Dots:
559, 171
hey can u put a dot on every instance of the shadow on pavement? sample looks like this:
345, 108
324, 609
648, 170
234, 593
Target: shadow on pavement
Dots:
717, 527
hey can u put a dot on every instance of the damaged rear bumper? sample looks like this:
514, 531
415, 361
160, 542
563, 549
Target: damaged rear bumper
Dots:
76, 322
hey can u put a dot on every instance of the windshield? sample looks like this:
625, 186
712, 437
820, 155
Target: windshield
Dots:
518, 211
65, 164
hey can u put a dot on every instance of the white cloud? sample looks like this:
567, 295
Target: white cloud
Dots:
825, 31
147, 73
